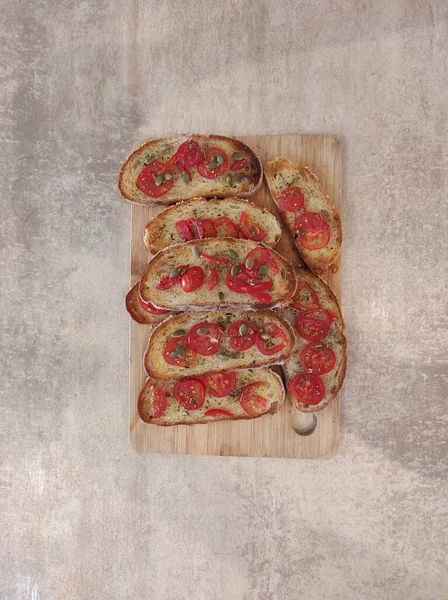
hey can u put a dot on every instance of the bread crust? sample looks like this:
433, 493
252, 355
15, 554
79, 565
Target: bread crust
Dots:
136, 312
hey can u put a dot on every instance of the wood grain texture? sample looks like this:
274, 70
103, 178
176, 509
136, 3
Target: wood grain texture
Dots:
270, 436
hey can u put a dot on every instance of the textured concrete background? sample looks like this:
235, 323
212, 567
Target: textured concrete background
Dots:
82, 515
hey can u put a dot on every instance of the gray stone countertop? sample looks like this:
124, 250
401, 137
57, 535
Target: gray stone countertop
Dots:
83, 516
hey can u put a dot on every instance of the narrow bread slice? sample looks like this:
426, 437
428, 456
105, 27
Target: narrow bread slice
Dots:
245, 394
192, 344
315, 370
201, 218
220, 273
178, 167
308, 213
143, 312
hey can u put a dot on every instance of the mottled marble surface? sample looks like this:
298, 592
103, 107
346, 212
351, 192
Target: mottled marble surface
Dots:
84, 517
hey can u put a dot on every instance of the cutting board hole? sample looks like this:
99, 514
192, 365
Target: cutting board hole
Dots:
304, 423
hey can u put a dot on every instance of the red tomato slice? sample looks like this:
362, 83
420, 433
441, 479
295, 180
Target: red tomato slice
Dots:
192, 279
210, 157
305, 297
172, 346
313, 231
261, 257
238, 341
239, 164
318, 358
166, 282
157, 402
146, 181
213, 279
257, 287
208, 228
307, 388
184, 230
262, 297
189, 154
292, 199
190, 393
251, 402
238, 283
220, 384
250, 230
275, 342
215, 259
313, 324
218, 412
226, 228
204, 338
149, 307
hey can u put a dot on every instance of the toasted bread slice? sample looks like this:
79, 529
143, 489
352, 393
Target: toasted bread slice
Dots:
245, 394
195, 343
307, 212
216, 274
178, 167
141, 311
309, 357
201, 218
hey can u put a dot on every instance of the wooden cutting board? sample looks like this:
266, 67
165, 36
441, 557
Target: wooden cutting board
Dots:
270, 435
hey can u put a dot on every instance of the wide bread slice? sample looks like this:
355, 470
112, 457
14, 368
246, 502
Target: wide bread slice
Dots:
155, 154
282, 174
222, 266
136, 308
322, 297
162, 402
246, 218
174, 341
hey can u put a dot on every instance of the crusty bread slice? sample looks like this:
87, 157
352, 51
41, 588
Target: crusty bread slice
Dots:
304, 299
136, 308
174, 335
161, 231
282, 174
219, 262
163, 408
152, 156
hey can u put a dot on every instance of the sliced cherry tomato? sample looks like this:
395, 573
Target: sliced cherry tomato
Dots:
239, 164
190, 393
220, 384
204, 338
211, 157
189, 154
307, 388
146, 181
251, 402
318, 358
192, 279
261, 257
250, 230
183, 228
166, 282
149, 307
292, 199
313, 324
272, 344
305, 297
196, 227
208, 228
313, 231
257, 287
213, 278
226, 228
214, 413
157, 402
241, 335
215, 259
238, 283
262, 297
172, 347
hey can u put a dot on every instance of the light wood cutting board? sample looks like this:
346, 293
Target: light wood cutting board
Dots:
270, 435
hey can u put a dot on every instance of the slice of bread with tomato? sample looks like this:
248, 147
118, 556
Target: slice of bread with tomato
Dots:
308, 213
143, 312
236, 395
218, 272
315, 370
194, 343
166, 170
200, 218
